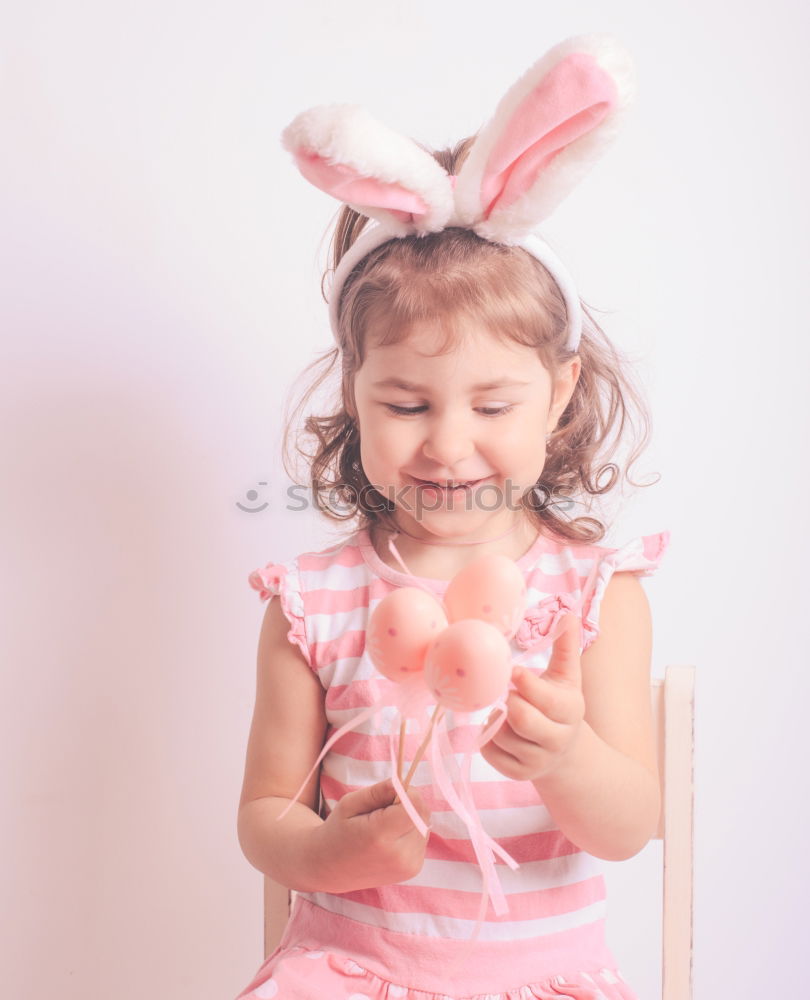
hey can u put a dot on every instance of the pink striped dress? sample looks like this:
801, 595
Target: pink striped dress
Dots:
411, 940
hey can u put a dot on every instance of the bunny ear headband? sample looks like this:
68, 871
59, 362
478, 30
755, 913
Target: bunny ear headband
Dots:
547, 131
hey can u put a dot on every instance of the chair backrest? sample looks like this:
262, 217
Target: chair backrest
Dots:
673, 704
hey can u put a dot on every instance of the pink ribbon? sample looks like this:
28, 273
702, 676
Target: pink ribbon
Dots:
408, 699
462, 804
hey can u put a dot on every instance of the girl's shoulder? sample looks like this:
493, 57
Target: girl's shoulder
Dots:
316, 589
310, 570
640, 554
572, 577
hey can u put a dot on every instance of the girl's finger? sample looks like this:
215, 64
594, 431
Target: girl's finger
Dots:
508, 740
528, 732
564, 665
542, 694
396, 822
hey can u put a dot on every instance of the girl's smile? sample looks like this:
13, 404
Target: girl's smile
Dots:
450, 486
446, 493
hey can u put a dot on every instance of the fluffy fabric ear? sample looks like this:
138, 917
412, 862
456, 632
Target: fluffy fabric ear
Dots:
546, 133
386, 176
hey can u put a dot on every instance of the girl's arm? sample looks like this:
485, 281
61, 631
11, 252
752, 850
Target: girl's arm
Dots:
286, 735
606, 796
368, 838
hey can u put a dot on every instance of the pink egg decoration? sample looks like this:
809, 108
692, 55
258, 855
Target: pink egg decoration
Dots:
492, 589
468, 666
400, 629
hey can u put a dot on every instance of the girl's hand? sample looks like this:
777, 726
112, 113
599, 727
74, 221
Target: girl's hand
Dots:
545, 714
368, 841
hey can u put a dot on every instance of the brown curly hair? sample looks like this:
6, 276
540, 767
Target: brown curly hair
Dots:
445, 276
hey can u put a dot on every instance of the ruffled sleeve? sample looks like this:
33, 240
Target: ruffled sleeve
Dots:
642, 555
283, 579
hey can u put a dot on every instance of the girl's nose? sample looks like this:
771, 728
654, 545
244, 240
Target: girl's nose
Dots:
448, 442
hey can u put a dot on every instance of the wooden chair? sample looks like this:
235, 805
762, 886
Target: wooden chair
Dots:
673, 716
673, 703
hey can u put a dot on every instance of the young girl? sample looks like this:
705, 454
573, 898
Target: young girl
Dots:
477, 399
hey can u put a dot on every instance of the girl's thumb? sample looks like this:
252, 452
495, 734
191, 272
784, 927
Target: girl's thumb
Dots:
370, 798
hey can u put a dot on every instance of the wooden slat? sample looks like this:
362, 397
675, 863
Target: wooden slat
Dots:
679, 743
657, 695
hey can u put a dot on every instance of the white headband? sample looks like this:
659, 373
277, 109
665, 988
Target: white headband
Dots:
375, 236
546, 133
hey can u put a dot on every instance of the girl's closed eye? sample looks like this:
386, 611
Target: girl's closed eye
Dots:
404, 410
487, 411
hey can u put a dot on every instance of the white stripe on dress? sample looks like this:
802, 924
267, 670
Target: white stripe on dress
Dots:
454, 927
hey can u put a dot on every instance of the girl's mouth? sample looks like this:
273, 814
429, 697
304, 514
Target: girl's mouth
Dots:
456, 488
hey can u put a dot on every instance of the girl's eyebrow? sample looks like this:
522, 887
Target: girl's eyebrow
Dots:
394, 382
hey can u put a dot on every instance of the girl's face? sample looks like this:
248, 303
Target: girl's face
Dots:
477, 416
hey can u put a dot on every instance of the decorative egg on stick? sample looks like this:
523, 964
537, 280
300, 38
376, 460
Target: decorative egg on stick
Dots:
400, 630
491, 589
468, 666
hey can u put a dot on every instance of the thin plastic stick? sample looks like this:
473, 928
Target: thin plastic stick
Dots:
438, 712
401, 751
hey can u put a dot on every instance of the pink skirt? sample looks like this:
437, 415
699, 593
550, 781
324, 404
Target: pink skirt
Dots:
325, 956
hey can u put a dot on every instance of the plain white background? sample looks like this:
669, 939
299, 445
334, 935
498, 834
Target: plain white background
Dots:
160, 268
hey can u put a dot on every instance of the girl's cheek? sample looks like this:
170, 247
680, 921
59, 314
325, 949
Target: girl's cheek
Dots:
400, 436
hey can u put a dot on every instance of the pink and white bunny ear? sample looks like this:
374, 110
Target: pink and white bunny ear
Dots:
343, 150
546, 133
